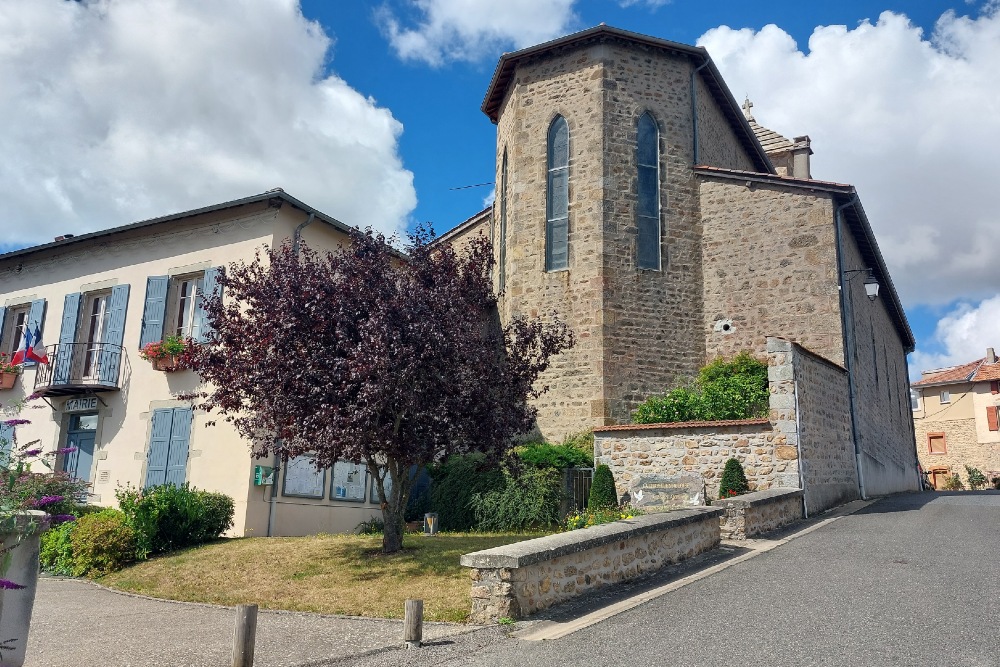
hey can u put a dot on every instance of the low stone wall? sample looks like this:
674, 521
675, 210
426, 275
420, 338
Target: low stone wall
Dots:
522, 578
759, 512
700, 449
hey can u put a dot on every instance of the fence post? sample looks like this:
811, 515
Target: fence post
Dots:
245, 635
413, 623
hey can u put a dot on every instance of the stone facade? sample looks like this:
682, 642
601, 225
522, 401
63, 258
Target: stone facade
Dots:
520, 579
758, 513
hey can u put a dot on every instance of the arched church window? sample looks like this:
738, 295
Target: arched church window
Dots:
557, 201
647, 209
503, 224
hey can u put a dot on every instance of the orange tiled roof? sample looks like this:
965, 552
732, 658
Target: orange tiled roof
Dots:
974, 371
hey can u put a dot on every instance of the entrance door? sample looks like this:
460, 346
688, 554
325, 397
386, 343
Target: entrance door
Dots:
82, 435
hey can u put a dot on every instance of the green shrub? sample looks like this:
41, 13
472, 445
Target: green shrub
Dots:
584, 442
454, 484
954, 483
544, 455
977, 480
102, 542
168, 517
528, 500
373, 526
734, 480
602, 491
56, 553
733, 389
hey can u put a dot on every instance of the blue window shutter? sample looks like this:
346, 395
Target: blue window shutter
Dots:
36, 318
3, 317
180, 438
111, 346
210, 286
159, 446
155, 310
67, 336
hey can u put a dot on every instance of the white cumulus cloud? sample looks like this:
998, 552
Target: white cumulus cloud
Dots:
912, 120
962, 335
114, 111
450, 30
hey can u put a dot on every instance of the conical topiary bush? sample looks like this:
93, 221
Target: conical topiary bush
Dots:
602, 490
734, 480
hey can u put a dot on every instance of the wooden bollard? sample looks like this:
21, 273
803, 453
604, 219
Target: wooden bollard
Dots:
413, 623
245, 635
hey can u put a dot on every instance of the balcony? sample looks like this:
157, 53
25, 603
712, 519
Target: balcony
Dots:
81, 368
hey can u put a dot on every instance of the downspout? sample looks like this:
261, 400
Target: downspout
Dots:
838, 218
798, 437
694, 110
296, 241
297, 234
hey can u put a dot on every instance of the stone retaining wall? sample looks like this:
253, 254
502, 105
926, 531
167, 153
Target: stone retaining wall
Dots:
520, 579
759, 512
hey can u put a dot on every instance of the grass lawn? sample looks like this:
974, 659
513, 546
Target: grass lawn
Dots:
330, 574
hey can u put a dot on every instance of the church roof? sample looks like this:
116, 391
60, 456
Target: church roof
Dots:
770, 140
504, 74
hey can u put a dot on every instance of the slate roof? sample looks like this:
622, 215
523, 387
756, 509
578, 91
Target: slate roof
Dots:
770, 140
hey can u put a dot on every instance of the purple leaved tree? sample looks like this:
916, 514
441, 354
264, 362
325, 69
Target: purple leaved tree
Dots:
363, 355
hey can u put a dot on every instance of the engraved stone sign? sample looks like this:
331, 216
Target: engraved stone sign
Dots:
659, 493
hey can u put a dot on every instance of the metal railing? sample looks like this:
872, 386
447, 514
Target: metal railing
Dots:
75, 367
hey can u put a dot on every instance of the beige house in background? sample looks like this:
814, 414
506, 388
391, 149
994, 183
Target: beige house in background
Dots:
98, 298
955, 417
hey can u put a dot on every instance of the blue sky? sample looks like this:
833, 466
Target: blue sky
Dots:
116, 111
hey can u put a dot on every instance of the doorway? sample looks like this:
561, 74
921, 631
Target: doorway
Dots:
82, 435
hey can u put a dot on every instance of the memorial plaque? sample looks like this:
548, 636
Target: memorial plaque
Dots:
659, 493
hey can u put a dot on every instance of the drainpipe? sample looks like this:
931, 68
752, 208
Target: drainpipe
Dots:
798, 437
845, 302
297, 234
694, 110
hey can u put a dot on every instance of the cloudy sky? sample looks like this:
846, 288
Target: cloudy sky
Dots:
119, 110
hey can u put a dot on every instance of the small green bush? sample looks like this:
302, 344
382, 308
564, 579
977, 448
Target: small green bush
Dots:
168, 517
454, 484
373, 526
102, 542
544, 455
56, 554
977, 480
602, 491
528, 500
734, 480
584, 442
954, 483
724, 389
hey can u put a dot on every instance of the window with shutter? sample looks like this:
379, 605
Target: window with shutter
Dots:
993, 417
169, 441
557, 200
647, 210
936, 443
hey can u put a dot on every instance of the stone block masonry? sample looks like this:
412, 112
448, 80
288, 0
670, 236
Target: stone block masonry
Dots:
520, 579
760, 512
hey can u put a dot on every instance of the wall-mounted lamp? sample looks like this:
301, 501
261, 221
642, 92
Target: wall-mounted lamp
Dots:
871, 283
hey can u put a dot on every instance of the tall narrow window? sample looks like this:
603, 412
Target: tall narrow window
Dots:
647, 210
557, 202
503, 224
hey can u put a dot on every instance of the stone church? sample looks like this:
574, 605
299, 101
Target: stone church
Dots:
639, 201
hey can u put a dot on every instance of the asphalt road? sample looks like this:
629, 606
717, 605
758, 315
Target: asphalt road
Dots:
909, 580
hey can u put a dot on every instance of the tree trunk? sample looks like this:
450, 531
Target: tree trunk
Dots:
394, 506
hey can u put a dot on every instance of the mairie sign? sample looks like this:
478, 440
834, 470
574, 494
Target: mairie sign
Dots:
81, 404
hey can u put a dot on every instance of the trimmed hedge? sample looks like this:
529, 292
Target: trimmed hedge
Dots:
602, 491
168, 517
734, 480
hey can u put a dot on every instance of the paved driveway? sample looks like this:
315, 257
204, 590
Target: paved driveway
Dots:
909, 580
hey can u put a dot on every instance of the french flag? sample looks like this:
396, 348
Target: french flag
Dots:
32, 348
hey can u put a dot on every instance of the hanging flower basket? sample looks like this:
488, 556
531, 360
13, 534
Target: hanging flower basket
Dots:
171, 354
166, 364
8, 372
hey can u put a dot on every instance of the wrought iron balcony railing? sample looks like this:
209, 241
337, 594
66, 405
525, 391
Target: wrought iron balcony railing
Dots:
76, 368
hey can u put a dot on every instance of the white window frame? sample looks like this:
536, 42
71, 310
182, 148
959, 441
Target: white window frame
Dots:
87, 334
914, 400
186, 306
13, 333
944, 397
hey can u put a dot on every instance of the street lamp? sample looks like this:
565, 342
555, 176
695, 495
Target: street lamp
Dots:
871, 282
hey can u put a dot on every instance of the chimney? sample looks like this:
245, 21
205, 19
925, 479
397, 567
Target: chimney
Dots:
991, 356
64, 237
800, 157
